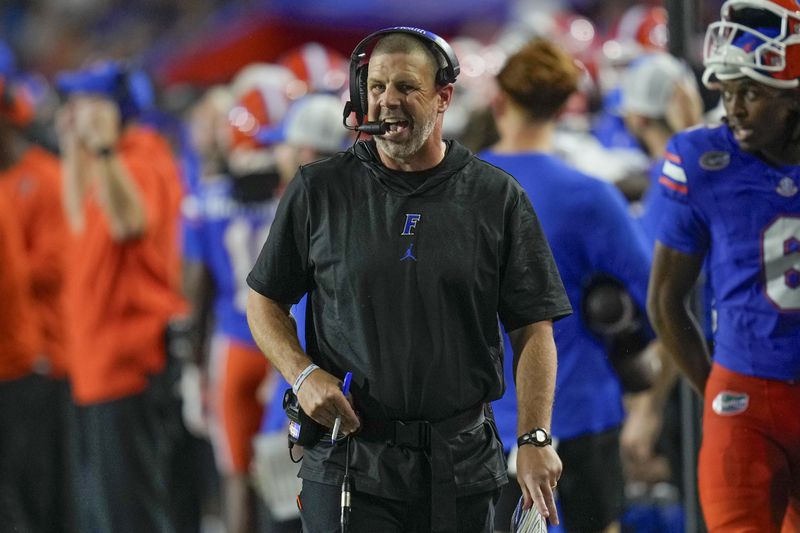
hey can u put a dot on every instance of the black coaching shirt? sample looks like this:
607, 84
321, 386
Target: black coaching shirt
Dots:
407, 274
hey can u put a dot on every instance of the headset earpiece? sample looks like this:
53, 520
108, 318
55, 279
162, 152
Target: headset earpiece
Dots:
442, 77
361, 78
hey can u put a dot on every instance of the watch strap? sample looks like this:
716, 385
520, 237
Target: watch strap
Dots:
534, 437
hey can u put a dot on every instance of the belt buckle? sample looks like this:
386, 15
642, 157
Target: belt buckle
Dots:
415, 434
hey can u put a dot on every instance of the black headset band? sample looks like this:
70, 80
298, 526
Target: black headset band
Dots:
451, 68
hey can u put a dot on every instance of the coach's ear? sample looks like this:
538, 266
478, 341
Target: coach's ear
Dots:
445, 93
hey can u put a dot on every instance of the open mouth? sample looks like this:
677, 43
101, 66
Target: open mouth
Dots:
395, 126
741, 134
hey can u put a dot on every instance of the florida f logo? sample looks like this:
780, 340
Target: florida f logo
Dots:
411, 223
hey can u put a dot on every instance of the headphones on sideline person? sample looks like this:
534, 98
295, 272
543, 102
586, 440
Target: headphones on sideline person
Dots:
357, 104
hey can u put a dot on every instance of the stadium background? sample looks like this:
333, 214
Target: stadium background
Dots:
189, 45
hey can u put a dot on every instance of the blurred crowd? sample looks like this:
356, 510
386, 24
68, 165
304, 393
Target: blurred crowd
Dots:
131, 390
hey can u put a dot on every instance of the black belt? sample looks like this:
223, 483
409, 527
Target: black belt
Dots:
431, 438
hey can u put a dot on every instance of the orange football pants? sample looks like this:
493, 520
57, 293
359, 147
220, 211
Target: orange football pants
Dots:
237, 372
749, 466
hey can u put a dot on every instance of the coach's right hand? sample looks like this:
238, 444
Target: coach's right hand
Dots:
321, 398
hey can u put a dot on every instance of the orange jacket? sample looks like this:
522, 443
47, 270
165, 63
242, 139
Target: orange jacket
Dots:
19, 340
34, 186
120, 296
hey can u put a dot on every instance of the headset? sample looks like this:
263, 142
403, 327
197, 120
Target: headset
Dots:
357, 104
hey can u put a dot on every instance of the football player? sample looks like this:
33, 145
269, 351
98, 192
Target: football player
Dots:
733, 194
226, 222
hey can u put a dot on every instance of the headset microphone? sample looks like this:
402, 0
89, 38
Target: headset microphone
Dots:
373, 128
370, 128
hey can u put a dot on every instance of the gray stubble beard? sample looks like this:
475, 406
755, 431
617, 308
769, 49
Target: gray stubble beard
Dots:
405, 151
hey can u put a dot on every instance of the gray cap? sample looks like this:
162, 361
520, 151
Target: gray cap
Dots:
316, 121
649, 83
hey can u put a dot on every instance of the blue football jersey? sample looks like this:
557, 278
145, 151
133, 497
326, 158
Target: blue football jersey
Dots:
226, 236
654, 206
745, 216
590, 232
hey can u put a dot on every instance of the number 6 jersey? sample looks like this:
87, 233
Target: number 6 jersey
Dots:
745, 214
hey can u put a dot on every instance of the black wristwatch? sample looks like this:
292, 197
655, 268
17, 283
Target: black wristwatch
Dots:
539, 437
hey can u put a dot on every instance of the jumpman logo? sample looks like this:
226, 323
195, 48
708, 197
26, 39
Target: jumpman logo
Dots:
408, 254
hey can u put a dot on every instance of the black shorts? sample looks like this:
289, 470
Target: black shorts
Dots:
121, 451
591, 491
592, 488
25, 453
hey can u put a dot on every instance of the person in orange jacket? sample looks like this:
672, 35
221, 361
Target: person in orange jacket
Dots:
122, 196
30, 183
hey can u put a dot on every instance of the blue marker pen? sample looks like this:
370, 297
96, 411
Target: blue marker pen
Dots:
345, 390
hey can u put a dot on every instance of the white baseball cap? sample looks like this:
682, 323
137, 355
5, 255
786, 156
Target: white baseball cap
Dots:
316, 121
649, 83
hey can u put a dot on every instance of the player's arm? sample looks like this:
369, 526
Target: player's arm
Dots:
199, 289
672, 279
120, 199
645, 409
99, 125
117, 192
274, 331
538, 469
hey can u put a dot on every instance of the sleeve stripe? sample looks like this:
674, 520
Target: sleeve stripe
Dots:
671, 170
673, 157
669, 184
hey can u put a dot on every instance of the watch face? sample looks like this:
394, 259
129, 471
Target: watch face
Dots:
540, 436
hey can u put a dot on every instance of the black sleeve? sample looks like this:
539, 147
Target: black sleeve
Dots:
530, 289
281, 272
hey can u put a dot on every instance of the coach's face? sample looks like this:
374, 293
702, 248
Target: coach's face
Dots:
402, 92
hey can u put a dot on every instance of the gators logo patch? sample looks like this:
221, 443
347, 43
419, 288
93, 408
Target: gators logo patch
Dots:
786, 187
728, 403
715, 160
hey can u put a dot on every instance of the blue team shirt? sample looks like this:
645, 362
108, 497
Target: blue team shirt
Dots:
226, 236
654, 205
745, 216
590, 232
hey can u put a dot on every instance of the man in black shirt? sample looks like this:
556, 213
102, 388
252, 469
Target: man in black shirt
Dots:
409, 249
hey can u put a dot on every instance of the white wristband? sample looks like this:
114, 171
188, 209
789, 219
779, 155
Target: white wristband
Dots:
302, 377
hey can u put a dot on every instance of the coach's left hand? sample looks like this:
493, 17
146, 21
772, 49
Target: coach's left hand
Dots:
538, 471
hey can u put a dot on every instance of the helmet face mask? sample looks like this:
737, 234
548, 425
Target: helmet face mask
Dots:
759, 39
